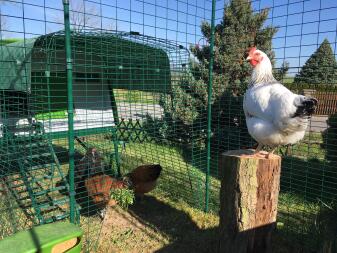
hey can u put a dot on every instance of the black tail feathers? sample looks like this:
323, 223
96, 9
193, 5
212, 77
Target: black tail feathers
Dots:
306, 108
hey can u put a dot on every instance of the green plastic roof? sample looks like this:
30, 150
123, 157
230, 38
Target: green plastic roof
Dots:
15, 67
119, 60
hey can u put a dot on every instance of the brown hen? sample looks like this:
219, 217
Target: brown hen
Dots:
99, 187
143, 179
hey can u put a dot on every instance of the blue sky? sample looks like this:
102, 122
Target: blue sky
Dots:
303, 24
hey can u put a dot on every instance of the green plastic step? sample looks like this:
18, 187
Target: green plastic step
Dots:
24, 198
56, 218
39, 166
32, 145
50, 190
36, 165
47, 206
33, 156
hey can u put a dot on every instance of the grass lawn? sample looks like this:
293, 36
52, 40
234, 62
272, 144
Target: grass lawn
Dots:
308, 148
171, 218
135, 96
122, 96
52, 115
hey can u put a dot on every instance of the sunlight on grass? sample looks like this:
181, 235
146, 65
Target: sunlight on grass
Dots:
309, 147
135, 96
171, 217
181, 186
52, 115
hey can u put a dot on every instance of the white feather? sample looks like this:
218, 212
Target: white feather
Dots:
270, 108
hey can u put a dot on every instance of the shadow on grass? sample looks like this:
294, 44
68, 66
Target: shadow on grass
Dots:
295, 236
185, 235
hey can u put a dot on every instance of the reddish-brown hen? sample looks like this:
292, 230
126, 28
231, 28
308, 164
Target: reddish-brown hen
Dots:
99, 187
141, 180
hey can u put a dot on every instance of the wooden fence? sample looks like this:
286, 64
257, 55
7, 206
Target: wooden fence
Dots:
327, 102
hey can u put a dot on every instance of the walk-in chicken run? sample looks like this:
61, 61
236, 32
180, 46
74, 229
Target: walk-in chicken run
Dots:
158, 125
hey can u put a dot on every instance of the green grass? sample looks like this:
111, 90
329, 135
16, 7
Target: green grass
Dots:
171, 218
308, 148
8, 41
287, 80
180, 192
135, 96
52, 115
125, 96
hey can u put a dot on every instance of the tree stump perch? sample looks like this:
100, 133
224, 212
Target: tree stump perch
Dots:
248, 201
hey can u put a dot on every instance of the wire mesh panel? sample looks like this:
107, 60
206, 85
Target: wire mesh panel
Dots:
300, 39
145, 95
129, 69
33, 179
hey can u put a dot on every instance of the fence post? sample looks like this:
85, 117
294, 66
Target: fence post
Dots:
71, 144
209, 107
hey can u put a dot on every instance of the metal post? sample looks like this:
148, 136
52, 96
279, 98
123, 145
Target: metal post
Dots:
71, 144
115, 131
209, 107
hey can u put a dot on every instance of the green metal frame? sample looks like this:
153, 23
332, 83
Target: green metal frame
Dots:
31, 182
71, 135
122, 131
209, 107
114, 136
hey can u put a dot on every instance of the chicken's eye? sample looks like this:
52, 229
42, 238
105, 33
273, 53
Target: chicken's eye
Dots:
257, 54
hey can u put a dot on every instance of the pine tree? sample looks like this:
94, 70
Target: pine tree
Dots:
320, 68
185, 109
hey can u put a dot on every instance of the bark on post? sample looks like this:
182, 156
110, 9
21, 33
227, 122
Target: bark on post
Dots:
248, 201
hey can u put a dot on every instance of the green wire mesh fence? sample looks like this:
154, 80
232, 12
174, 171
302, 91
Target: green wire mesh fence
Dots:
108, 86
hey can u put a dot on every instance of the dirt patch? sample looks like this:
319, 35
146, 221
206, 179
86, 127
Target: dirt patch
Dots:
122, 232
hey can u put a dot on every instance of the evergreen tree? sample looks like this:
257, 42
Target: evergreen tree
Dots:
185, 109
320, 68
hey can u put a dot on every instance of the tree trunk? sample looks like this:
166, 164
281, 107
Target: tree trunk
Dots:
248, 201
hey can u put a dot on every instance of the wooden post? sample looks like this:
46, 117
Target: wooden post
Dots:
248, 201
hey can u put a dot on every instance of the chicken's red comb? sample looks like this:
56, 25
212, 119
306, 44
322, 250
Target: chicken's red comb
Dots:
252, 50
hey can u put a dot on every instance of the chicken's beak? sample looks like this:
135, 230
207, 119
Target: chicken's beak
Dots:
249, 58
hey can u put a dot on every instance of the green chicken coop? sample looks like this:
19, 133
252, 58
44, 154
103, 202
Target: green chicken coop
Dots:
106, 68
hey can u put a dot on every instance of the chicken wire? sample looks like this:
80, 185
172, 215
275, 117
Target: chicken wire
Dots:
131, 66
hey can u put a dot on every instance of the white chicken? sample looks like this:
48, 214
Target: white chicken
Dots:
274, 115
